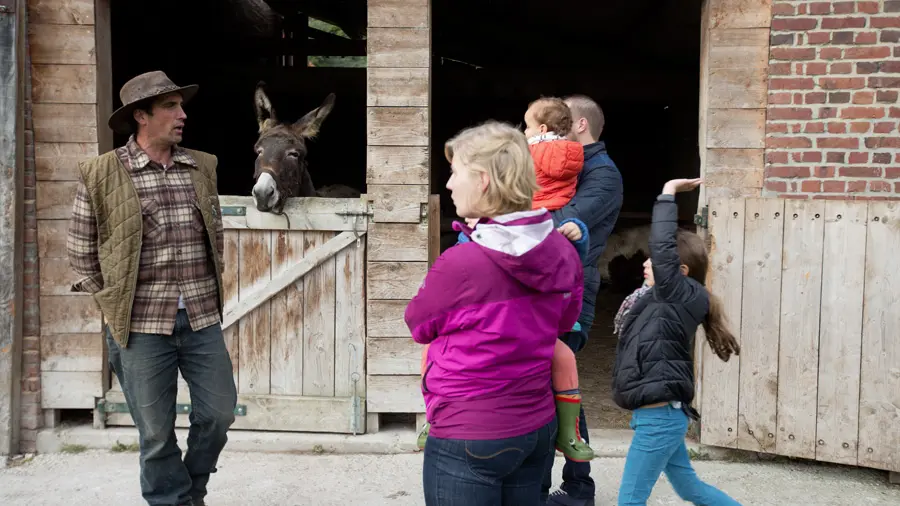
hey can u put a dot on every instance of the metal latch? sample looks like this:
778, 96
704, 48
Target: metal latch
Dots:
121, 407
702, 219
234, 211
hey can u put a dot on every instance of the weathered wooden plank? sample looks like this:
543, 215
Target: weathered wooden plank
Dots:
318, 319
434, 228
746, 88
62, 44
798, 353
391, 87
740, 49
274, 413
397, 126
255, 273
721, 379
735, 169
736, 128
840, 336
69, 314
306, 213
398, 242
384, 318
395, 280
67, 84
51, 238
65, 123
72, 352
12, 61
54, 199
398, 47
395, 394
879, 389
740, 13
54, 161
397, 165
262, 292
287, 318
231, 288
61, 12
761, 301
398, 13
350, 321
397, 203
70, 390
57, 277
105, 91
392, 356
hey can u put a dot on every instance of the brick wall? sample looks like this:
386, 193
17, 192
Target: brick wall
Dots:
31, 349
833, 113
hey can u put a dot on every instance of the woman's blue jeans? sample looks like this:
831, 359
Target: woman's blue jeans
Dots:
498, 472
658, 446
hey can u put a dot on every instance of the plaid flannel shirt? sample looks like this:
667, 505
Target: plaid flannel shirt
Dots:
176, 268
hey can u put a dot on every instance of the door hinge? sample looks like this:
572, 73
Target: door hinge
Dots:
702, 219
234, 211
181, 409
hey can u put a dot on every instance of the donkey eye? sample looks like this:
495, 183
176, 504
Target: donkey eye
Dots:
293, 154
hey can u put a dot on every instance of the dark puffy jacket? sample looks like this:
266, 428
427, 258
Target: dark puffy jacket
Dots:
597, 202
654, 356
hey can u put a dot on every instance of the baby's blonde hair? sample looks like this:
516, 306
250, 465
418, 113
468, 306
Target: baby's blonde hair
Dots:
501, 151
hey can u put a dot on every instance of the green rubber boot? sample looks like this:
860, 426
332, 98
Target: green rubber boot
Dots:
423, 436
568, 439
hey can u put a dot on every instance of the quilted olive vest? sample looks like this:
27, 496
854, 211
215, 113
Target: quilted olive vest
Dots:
120, 231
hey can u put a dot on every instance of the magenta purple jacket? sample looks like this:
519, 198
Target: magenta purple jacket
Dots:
492, 309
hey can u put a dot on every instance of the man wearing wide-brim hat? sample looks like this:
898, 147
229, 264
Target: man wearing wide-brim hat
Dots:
146, 240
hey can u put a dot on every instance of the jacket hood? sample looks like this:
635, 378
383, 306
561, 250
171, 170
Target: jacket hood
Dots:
557, 159
527, 246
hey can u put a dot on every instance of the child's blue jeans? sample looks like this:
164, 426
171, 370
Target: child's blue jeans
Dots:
658, 446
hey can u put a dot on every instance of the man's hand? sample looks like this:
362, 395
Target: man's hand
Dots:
681, 185
571, 231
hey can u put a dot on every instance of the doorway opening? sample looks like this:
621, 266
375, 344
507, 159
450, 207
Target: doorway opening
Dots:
227, 49
638, 59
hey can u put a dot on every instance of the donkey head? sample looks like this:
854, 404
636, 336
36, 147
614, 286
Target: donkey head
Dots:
281, 170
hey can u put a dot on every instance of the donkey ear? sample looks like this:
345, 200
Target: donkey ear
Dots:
265, 113
309, 125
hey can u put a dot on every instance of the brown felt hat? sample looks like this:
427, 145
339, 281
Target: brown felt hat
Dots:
149, 85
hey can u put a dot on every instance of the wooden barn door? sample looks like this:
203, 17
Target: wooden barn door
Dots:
294, 317
810, 289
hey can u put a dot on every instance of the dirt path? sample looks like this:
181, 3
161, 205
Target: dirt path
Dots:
103, 477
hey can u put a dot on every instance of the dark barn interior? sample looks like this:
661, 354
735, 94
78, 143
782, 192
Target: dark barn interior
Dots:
226, 48
639, 59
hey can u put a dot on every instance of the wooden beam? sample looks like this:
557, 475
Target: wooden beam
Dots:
287, 277
11, 183
303, 213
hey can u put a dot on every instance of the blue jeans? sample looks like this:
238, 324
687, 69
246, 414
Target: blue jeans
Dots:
147, 369
500, 472
577, 481
658, 446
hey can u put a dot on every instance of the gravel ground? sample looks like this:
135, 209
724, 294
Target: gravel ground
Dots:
103, 477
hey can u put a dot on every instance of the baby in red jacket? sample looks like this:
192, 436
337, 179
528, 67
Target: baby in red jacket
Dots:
557, 160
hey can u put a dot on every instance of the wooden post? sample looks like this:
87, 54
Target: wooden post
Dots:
397, 183
11, 184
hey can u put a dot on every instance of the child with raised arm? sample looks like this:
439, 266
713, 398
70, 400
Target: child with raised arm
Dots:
653, 374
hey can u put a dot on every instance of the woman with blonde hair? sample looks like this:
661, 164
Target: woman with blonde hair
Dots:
492, 309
